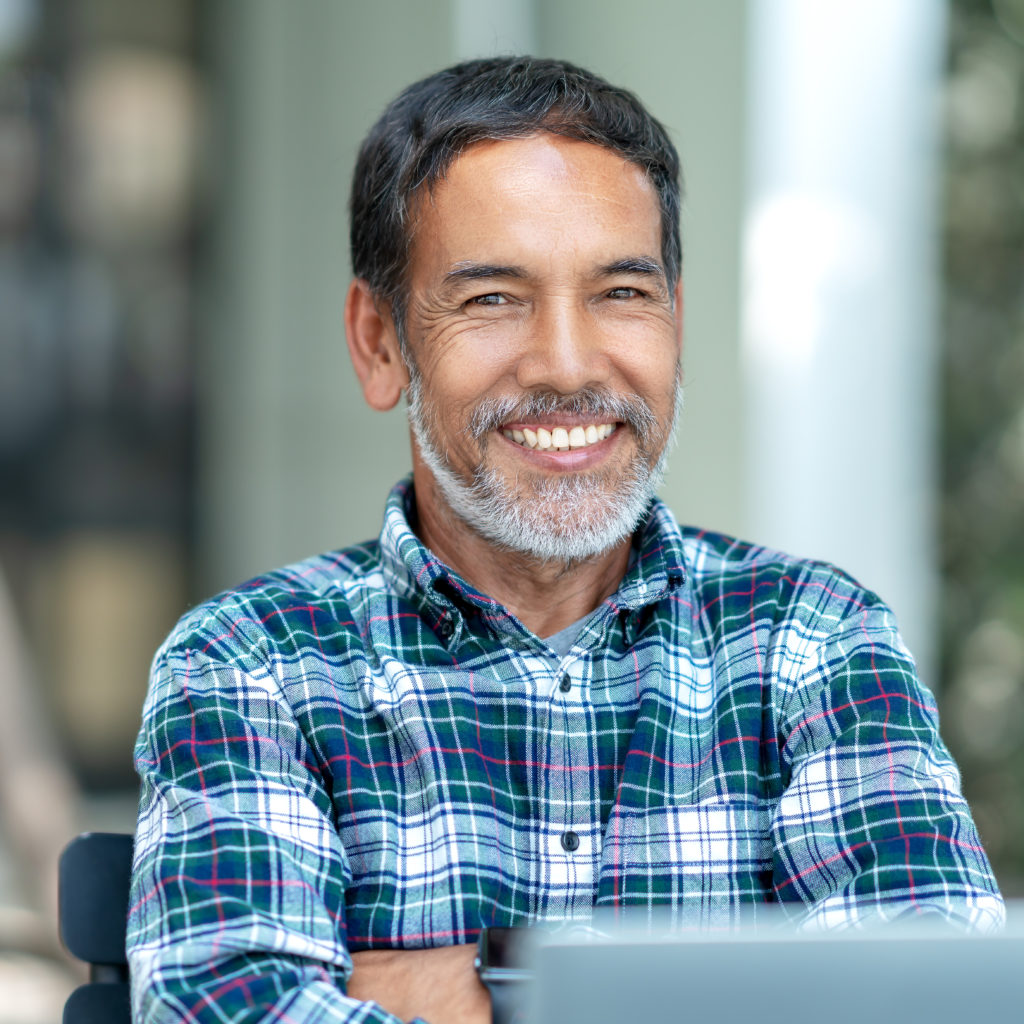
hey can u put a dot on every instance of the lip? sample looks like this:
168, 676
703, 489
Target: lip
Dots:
573, 459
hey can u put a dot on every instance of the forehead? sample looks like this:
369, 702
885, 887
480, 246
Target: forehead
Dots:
543, 189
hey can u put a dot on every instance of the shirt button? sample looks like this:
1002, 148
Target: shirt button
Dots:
565, 685
570, 841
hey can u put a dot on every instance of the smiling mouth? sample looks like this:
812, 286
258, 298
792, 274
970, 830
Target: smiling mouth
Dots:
560, 439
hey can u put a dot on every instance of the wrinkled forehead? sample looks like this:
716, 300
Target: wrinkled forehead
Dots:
532, 177
502, 147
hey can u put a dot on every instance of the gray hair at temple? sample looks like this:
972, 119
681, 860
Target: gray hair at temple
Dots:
427, 126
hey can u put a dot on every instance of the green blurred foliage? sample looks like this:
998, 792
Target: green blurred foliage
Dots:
982, 510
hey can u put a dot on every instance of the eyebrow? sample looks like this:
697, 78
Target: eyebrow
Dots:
643, 265
479, 271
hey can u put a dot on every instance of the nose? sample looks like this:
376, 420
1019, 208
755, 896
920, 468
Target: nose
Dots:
564, 350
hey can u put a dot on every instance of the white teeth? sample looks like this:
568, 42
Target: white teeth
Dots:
560, 438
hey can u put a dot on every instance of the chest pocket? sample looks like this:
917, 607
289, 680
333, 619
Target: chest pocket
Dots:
701, 860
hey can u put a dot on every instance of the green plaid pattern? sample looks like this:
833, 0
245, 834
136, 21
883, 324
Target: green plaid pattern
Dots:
362, 751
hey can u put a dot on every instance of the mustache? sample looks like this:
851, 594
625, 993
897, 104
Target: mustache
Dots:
597, 404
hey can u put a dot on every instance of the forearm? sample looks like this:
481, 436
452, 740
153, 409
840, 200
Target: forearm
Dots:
437, 985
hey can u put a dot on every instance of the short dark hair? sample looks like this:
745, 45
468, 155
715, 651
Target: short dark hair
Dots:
427, 126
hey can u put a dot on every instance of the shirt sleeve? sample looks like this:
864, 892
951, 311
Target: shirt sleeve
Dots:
237, 904
872, 823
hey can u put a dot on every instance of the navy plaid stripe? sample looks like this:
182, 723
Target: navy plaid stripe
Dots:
361, 751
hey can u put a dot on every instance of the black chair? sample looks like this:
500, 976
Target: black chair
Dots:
92, 897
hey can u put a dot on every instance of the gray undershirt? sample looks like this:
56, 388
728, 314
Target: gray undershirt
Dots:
561, 641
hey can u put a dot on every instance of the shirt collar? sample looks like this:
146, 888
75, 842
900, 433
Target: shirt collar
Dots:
657, 565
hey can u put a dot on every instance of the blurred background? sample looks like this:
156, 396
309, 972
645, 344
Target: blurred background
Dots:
177, 411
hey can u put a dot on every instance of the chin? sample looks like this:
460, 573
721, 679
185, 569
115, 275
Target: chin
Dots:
564, 520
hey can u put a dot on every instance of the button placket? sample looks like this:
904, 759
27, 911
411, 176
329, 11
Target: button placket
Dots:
572, 795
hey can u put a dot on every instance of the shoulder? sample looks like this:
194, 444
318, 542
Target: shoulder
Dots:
793, 619
277, 613
806, 630
734, 580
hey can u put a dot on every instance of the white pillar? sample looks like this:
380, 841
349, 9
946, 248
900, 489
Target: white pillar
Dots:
840, 343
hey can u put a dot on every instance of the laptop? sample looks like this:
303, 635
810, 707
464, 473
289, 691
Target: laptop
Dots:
895, 973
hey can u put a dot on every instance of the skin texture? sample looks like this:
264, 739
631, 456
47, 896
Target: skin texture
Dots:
439, 985
535, 267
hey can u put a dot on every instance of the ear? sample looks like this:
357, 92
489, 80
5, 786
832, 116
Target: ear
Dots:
373, 345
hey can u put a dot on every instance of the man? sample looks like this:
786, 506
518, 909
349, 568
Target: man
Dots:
536, 694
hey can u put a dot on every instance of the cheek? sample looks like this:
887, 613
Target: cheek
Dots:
449, 402
649, 365
462, 367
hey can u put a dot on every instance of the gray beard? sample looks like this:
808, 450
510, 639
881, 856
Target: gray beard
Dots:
558, 519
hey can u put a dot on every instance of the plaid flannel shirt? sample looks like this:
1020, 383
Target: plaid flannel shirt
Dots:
362, 751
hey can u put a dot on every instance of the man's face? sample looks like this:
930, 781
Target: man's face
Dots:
544, 343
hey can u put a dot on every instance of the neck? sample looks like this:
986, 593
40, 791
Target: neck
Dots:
545, 596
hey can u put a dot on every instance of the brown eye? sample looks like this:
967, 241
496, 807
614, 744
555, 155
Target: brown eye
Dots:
490, 299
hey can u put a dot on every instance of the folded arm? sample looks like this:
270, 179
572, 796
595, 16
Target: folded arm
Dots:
238, 898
